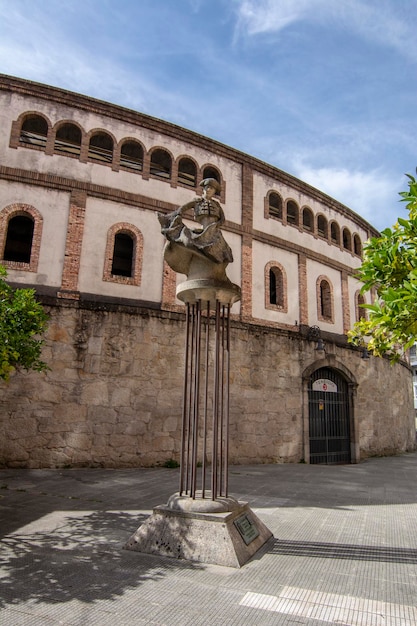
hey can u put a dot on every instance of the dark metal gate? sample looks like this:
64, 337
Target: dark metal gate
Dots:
329, 418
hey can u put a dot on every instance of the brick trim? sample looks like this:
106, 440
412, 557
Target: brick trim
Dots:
13, 210
135, 233
283, 306
329, 319
73, 245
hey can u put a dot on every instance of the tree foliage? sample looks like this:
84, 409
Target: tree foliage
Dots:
390, 268
22, 322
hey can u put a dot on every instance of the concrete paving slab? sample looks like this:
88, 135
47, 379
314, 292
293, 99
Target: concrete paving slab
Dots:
344, 549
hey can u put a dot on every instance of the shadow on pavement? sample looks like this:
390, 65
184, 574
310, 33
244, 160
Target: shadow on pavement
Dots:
77, 555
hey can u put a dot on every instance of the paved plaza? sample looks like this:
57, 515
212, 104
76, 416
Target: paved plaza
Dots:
344, 549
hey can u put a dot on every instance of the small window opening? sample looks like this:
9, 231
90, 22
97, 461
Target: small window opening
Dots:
322, 226
34, 131
292, 213
101, 148
276, 287
307, 219
131, 156
357, 245
68, 139
275, 206
335, 233
161, 164
122, 264
19, 239
187, 172
347, 239
325, 300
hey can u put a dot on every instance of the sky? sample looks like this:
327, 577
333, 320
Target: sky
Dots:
325, 90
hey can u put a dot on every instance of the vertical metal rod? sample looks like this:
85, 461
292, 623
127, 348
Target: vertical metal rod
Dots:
214, 462
221, 407
190, 400
226, 405
184, 402
197, 348
205, 409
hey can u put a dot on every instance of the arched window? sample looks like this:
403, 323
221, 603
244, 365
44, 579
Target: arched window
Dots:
275, 287
322, 226
211, 172
335, 233
101, 148
124, 254
276, 291
122, 263
292, 213
34, 131
357, 245
187, 172
347, 239
19, 238
308, 219
275, 205
68, 139
325, 300
360, 311
161, 163
131, 156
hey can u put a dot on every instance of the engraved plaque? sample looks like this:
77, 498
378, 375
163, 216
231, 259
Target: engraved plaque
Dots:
246, 528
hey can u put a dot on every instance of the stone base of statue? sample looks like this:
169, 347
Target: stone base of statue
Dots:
226, 537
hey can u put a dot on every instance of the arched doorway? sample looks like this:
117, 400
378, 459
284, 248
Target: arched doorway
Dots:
329, 417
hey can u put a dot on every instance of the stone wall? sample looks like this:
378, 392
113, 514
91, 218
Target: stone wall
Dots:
112, 397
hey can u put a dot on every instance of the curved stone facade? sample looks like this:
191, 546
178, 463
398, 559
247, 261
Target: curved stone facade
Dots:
81, 183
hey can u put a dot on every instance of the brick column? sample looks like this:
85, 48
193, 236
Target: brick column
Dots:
75, 230
345, 303
247, 223
303, 289
169, 285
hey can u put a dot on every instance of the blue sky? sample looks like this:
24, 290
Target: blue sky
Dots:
323, 89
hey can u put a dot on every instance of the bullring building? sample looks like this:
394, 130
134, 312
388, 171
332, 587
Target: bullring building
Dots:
81, 183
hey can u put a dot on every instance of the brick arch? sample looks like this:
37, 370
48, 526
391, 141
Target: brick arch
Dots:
273, 205
58, 126
290, 202
282, 305
17, 128
136, 234
325, 301
118, 152
14, 210
86, 146
176, 172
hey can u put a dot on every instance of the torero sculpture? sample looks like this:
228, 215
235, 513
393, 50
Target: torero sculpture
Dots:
200, 252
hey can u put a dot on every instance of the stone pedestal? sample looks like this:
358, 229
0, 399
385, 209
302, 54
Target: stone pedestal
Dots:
228, 538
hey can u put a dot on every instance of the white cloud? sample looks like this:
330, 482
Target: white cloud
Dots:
380, 21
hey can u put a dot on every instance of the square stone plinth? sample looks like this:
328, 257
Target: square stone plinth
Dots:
228, 539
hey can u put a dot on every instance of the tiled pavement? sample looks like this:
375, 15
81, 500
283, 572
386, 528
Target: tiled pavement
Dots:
344, 550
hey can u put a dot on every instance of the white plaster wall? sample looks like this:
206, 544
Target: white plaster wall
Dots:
54, 208
314, 270
99, 218
60, 165
261, 255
